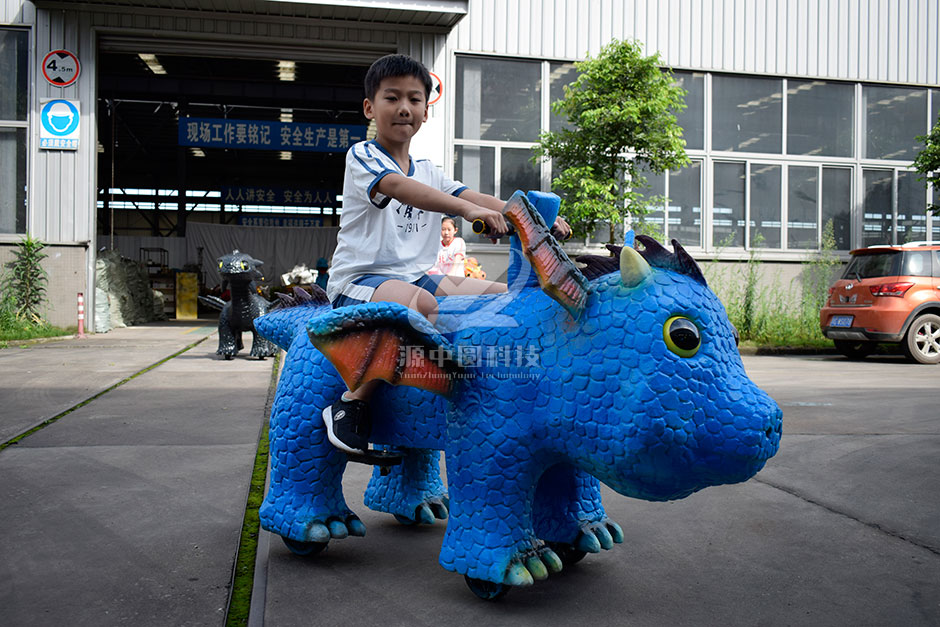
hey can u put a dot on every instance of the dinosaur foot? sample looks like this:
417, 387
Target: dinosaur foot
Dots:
317, 534
532, 565
591, 538
426, 512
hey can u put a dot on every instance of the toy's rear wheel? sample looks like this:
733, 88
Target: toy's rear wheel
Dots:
404, 520
486, 590
567, 552
303, 548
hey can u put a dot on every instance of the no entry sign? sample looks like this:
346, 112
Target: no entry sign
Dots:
61, 68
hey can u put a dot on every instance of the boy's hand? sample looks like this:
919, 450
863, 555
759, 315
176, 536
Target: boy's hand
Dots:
493, 219
561, 229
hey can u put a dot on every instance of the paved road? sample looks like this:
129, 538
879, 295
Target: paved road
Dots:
127, 510
841, 528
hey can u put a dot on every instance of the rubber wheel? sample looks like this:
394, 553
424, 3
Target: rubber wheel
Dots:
567, 552
408, 522
855, 349
303, 549
922, 342
486, 590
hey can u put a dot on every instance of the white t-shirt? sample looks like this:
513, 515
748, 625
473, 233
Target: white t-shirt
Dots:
450, 258
380, 235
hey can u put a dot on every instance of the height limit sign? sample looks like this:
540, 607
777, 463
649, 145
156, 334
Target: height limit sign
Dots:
60, 68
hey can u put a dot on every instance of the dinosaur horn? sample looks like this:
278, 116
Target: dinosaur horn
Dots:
557, 274
633, 268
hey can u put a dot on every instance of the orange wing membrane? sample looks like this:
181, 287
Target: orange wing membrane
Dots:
557, 274
385, 341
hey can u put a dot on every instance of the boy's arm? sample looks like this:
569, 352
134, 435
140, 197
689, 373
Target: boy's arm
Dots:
560, 228
425, 197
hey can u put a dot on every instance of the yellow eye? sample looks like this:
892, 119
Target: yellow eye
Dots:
243, 265
682, 336
220, 265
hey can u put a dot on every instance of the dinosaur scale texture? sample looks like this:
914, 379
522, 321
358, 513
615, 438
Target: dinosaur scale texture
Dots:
637, 383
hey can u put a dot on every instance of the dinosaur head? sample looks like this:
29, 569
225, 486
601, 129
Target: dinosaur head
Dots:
240, 266
665, 400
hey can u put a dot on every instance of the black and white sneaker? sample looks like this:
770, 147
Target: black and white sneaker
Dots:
348, 425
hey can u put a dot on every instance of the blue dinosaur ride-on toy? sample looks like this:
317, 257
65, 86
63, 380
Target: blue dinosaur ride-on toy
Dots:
625, 372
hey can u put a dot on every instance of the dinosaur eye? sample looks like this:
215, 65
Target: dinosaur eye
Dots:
682, 336
243, 265
220, 265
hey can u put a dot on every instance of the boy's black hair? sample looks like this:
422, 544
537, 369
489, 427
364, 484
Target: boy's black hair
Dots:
393, 66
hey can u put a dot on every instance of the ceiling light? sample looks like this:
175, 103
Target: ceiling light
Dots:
286, 70
287, 115
152, 62
197, 152
286, 155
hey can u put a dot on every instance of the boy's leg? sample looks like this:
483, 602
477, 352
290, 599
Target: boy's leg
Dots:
467, 286
347, 420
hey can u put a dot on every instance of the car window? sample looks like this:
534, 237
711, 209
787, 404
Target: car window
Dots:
880, 264
936, 263
916, 263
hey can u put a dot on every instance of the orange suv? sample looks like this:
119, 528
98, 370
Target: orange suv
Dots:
887, 294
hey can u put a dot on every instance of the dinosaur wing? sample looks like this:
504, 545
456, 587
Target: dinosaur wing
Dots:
385, 341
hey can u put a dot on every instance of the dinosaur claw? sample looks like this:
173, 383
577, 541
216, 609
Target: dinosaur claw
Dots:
424, 515
536, 568
552, 560
615, 531
604, 537
338, 529
317, 532
518, 575
355, 526
439, 510
588, 543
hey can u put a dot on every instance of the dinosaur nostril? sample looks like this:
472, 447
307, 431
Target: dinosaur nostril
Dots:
769, 431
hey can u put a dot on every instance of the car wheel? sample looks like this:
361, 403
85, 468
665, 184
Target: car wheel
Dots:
922, 343
855, 349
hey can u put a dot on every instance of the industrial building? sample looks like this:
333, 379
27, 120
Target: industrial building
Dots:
174, 130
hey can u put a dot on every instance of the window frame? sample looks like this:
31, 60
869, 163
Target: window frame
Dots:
24, 125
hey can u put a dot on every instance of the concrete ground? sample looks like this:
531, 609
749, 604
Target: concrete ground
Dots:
127, 510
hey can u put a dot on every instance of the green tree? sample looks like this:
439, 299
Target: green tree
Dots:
928, 161
621, 113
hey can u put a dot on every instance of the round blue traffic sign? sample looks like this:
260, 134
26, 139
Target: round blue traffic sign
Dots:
59, 117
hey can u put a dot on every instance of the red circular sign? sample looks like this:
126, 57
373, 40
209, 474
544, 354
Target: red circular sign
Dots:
61, 68
437, 88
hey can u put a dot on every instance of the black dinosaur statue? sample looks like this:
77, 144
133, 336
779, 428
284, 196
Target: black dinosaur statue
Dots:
239, 272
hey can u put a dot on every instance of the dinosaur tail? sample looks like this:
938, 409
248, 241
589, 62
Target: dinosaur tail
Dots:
290, 315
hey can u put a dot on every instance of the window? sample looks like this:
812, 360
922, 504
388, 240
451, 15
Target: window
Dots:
560, 74
747, 114
475, 168
894, 116
765, 205
802, 206
912, 208
13, 121
498, 99
728, 210
692, 118
837, 205
680, 217
819, 118
876, 207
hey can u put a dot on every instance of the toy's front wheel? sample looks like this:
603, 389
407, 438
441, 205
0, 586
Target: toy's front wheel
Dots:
303, 548
486, 590
567, 552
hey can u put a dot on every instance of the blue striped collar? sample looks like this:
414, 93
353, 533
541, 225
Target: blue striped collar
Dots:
411, 161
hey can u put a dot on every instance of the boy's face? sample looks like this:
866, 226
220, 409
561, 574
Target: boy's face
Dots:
399, 109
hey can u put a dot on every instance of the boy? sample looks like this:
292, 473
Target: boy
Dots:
391, 221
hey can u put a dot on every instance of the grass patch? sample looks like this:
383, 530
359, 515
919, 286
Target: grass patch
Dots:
768, 313
29, 331
243, 577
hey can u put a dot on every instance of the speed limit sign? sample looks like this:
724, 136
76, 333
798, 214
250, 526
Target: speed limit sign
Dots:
61, 68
